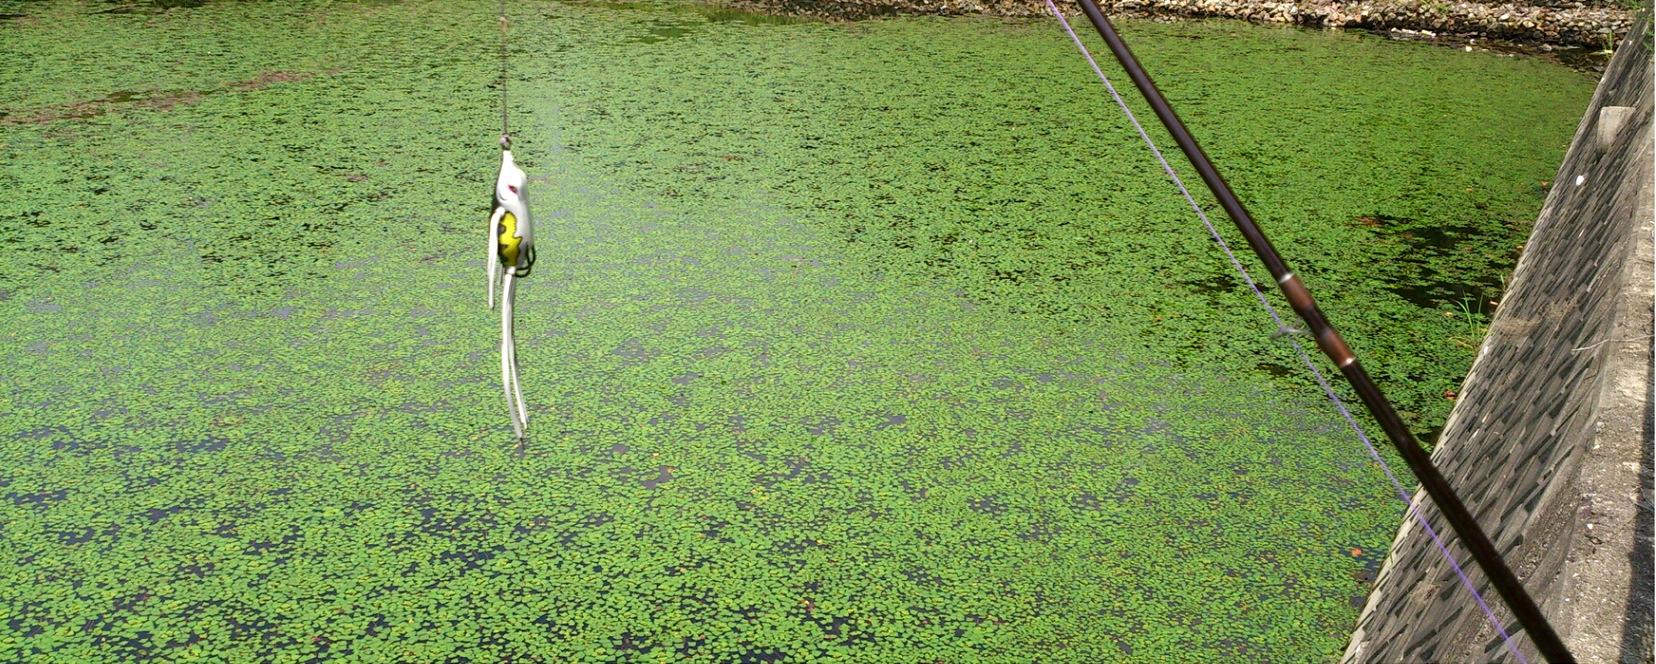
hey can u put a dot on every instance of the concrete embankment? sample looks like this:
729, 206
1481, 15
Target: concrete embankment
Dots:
1595, 24
1550, 444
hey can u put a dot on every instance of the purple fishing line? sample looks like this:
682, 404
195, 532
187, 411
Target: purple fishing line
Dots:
1373, 453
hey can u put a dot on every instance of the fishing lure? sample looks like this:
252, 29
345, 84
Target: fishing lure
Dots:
511, 249
511, 257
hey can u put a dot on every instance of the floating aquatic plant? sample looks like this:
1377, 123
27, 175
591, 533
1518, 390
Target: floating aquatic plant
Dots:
850, 342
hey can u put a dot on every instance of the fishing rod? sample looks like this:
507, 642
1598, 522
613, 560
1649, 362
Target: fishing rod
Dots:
1334, 346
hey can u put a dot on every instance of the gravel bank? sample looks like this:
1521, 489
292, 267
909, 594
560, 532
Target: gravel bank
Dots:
1586, 25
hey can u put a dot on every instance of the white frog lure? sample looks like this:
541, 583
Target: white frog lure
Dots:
511, 255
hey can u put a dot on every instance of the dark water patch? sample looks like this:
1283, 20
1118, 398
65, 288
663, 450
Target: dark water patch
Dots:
75, 535
824, 425
452, 521
681, 568
344, 314
323, 453
795, 546
690, 646
534, 525
922, 577
714, 528
277, 547
1086, 500
591, 521
1214, 286
338, 429
990, 505
77, 445
228, 529
631, 643
761, 656
663, 475
41, 432
136, 482
39, 499
208, 444
835, 628
795, 467
1276, 370
137, 646
471, 559
252, 625
1041, 531
156, 514
1372, 560
634, 352
377, 625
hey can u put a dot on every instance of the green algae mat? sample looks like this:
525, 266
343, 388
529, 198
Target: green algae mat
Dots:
866, 342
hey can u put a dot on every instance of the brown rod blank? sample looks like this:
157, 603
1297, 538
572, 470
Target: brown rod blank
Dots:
1328, 339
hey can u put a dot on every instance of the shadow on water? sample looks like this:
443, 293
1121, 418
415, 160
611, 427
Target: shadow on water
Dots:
1425, 250
663, 33
709, 14
1277, 370
155, 99
715, 14
161, 6
673, 29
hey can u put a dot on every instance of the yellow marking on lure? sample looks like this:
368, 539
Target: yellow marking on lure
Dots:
509, 240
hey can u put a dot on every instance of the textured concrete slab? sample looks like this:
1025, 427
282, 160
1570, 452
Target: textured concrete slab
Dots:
1551, 443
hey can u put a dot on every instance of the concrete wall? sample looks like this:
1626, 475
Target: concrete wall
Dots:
1586, 23
1550, 444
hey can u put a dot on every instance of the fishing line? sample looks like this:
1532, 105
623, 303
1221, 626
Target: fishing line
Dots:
1283, 330
505, 129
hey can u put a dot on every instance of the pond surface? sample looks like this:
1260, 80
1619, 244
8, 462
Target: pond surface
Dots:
867, 342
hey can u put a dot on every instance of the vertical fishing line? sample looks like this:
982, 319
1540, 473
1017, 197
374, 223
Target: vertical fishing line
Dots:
505, 129
1281, 326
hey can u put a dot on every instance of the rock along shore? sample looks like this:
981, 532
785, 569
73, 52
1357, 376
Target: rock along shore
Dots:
1592, 25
